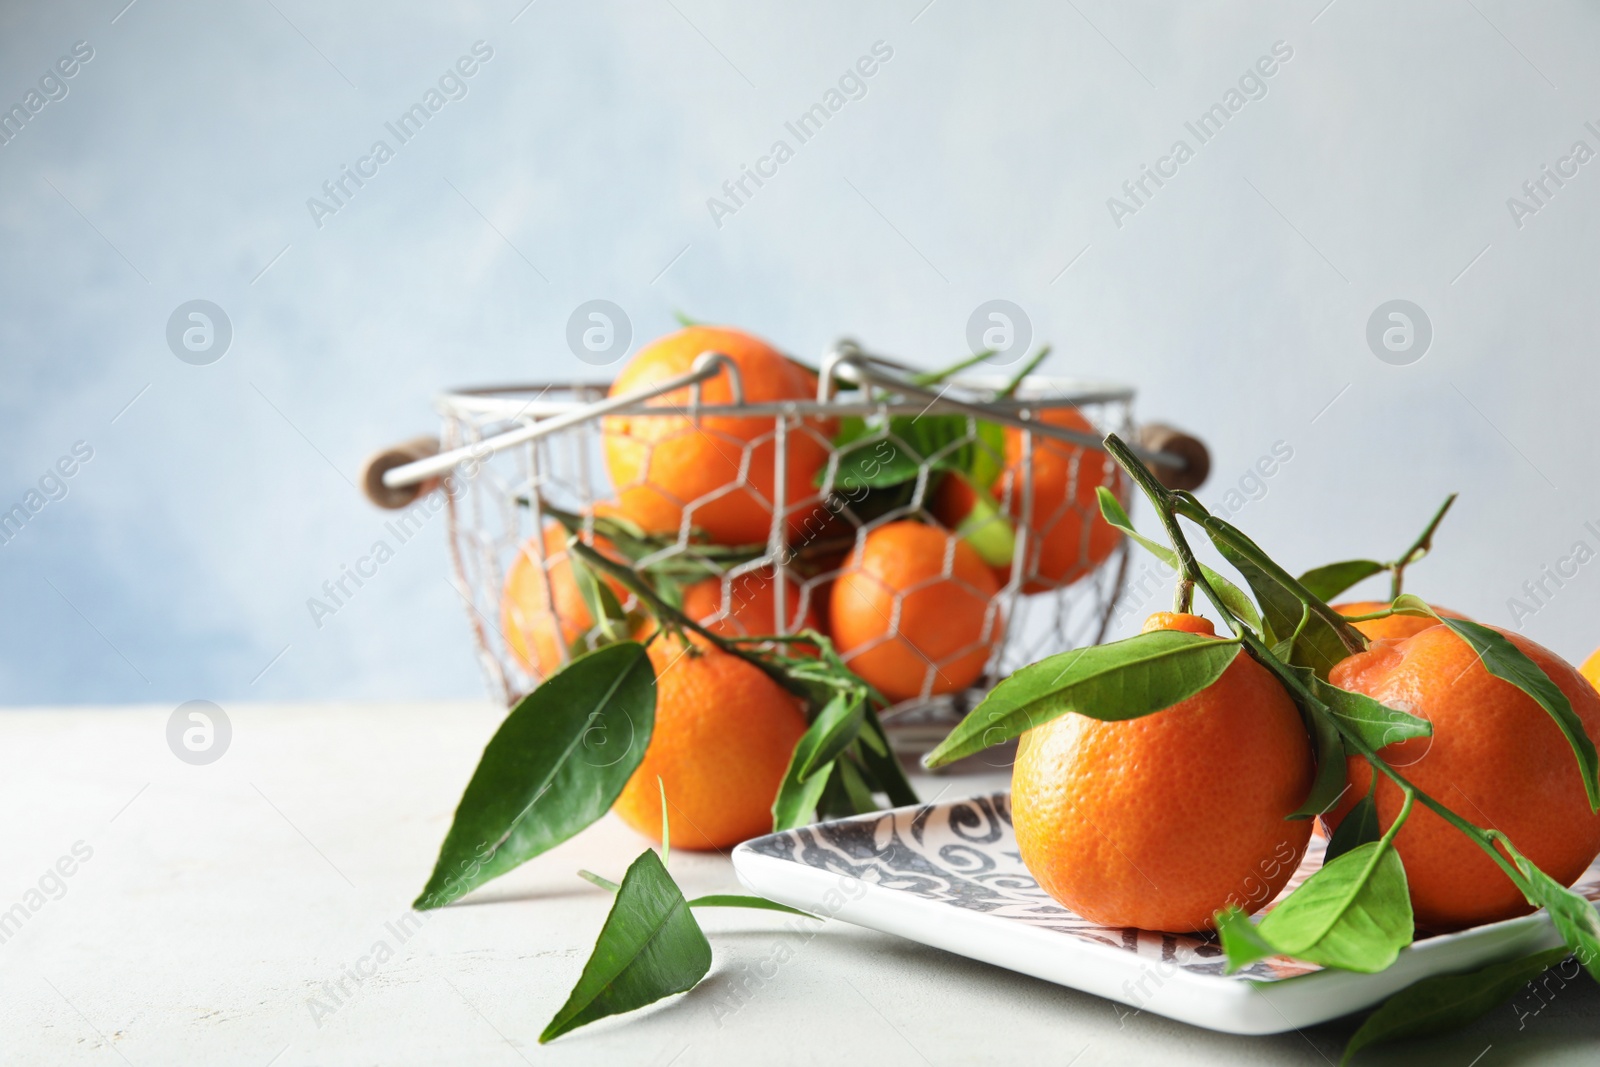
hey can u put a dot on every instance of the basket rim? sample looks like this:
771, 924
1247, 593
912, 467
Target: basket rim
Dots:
532, 400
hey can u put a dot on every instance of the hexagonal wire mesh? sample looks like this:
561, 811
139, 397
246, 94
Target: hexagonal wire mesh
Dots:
771, 478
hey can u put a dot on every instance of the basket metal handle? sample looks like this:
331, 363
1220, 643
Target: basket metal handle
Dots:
394, 477
1182, 461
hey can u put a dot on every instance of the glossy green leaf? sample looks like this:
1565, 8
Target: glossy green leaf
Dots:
1242, 943
558, 761
1328, 581
600, 600
735, 900
855, 787
835, 728
1121, 680
1506, 661
1449, 1001
1241, 606
1374, 722
939, 442
1317, 643
1574, 917
797, 800
879, 761
1358, 827
1353, 913
1332, 775
649, 948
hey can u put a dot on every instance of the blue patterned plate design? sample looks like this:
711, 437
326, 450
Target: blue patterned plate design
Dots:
949, 875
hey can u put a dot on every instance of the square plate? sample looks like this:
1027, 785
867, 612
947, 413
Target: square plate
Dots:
949, 875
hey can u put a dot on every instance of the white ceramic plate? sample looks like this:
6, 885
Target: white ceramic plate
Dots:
949, 875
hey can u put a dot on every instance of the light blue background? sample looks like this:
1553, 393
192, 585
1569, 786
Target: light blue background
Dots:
978, 165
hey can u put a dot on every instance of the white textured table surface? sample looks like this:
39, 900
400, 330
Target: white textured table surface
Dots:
223, 909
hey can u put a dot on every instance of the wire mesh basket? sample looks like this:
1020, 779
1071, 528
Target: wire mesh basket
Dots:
512, 460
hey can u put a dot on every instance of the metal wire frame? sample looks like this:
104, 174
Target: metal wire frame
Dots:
499, 495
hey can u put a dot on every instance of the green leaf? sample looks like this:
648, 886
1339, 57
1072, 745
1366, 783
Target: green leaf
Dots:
1506, 661
1574, 917
1329, 581
1317, 643
1242, 607
1353, 913
880, 762
1358, 827
1375, 723
1121, 680
796, 799
600, 880
1449, 1001
1327, 749
1242, 943
883, 459
649, 948
988, 455
598, 597
735, 900
855, 788
836, 727
555, 765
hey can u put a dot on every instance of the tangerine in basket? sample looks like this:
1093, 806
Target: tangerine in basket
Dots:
540, 619
1067, 536
719, 471
750, 608
1159, 822
912, 611
723, 736
1495, 757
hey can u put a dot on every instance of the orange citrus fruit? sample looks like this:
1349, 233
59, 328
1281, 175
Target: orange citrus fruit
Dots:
1066, 535
750, 607
1591, 668
724, 732
718, 471
1395, 626
911, 611
1496, 758
1161, 821
539, 619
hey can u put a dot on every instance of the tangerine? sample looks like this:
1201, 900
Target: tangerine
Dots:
1394, 627
912, 611
724, 733
750, 608
1591, 668
1159, 822
1067, 537
540, 619
718, 471
1495, 758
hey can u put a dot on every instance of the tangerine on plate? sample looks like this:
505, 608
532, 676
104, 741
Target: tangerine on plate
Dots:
724, 732
538, 619
1067, 537
1495, 758
719, 470
1161, 821
912, 613
1395, 626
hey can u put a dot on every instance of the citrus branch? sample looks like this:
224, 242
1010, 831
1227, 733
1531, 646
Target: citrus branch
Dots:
1419, 548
